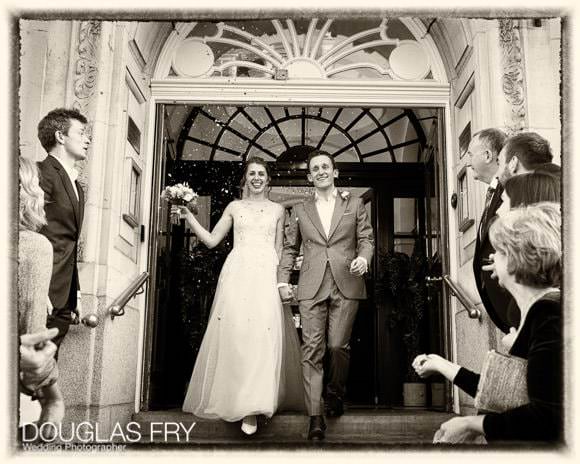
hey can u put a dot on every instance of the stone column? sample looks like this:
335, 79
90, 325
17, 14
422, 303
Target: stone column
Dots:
88, 90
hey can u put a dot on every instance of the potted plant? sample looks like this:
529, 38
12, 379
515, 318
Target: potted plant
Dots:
403, 281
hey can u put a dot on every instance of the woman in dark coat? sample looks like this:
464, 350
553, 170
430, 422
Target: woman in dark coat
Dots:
528, 263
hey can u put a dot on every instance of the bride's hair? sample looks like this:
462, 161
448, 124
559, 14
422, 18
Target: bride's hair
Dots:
252, 160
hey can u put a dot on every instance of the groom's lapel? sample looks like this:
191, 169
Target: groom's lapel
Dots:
339, 208
310, 208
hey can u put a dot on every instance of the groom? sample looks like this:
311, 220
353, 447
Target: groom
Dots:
338, 244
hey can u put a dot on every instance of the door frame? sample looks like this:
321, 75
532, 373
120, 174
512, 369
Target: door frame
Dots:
248, 91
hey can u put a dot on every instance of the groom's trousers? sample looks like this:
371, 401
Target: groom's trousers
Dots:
328, 309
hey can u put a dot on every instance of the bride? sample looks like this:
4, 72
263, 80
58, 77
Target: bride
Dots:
249, 360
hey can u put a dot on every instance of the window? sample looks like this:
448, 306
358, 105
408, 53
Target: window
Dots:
134, 135
133, 193
465, 222
464, 140
132, 207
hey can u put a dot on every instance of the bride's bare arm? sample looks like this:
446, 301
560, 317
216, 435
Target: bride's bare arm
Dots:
280, 231
213, 238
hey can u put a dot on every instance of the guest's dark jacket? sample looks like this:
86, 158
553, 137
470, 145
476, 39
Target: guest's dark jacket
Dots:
498, 303
64, 214
540, 342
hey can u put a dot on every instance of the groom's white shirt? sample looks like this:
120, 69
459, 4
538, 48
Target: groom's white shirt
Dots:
325, 209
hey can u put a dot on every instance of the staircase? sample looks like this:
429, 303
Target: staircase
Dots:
356, 428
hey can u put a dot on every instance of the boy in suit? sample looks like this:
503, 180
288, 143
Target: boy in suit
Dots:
62, 133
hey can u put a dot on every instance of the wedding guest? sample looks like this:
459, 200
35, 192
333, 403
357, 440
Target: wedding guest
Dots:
530, 188
528, 263
62, 133
525, 152
483, 152
523, 190
34, 274
494, 159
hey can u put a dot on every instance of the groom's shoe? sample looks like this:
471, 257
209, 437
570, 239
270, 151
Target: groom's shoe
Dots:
335, 406
317, 428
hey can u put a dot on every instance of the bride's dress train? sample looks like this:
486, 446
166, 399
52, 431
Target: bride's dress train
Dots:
249, 359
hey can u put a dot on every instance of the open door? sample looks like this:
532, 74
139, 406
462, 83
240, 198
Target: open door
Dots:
402, 196
439, 327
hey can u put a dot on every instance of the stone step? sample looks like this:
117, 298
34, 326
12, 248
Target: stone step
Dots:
356, 427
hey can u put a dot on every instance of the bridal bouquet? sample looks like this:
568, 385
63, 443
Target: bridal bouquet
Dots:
182, 195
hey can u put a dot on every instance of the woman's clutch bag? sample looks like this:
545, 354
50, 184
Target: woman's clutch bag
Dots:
502, 384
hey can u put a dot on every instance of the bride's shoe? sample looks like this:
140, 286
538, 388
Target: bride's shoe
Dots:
249, 425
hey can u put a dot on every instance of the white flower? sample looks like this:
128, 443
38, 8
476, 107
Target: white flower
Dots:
179, 192
345, 194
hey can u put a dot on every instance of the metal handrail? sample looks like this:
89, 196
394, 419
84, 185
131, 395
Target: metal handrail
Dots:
456, 291
117, 307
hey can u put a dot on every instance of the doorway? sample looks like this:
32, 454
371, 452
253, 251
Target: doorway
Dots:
383, 156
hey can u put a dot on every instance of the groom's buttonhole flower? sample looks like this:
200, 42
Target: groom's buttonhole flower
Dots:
344, 194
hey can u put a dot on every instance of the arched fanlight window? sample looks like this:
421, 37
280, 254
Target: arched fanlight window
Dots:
286, 134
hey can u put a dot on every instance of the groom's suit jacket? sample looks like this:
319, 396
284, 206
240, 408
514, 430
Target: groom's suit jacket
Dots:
64, 215
350, 235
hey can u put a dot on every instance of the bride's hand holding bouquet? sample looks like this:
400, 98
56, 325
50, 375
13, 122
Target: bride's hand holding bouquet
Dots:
182, 198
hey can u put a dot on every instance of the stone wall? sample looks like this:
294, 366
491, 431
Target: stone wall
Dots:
85, 65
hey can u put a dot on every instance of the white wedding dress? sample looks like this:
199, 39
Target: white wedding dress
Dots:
249, 359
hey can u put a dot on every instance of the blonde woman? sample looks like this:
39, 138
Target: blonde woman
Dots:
528, 263
34, 273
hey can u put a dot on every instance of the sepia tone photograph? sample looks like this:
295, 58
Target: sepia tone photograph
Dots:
310, 231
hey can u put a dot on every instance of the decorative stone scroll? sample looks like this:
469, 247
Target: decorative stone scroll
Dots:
86, 67
513, 81
84, 87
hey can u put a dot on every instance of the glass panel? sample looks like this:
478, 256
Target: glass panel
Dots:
233, 142
195, 151
372, 144
347, 115
242, 124
314, 131
409, 153
463, 198
224, 156
405, 216
134, 193
292, 132
404, 245
335, 141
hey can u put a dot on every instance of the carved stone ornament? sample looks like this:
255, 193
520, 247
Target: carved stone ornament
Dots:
84, 87
513, 81
86, 67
